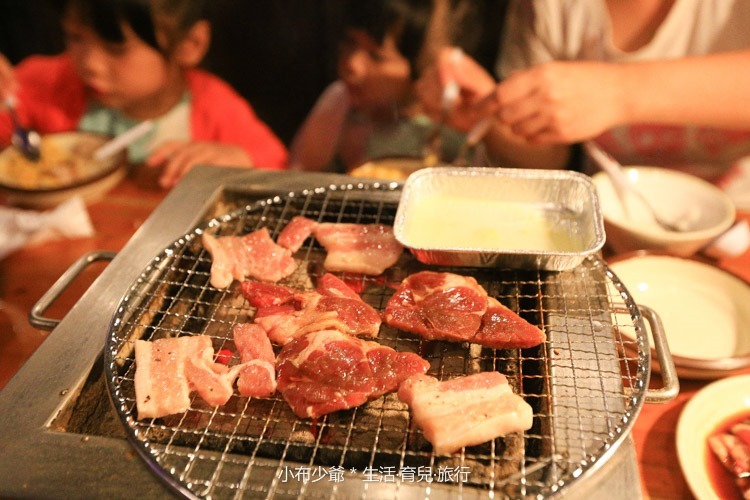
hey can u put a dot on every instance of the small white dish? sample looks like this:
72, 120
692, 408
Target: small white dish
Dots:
705, 311
707, 410
682, 199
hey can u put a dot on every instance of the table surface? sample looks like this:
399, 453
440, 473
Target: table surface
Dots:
27, 274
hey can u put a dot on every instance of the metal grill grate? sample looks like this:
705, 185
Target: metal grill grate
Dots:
586, 383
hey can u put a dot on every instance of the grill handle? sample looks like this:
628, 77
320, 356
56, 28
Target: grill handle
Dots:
671, 384
36, 317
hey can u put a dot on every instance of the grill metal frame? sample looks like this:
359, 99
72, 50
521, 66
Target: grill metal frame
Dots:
588, 386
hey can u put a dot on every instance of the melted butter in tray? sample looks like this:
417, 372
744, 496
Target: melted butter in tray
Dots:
448, 221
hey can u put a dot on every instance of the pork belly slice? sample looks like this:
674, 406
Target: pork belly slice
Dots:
284, 324
358, 248
327, 371
257, 375
253, 255
168, 370
285, 313
296, 232
161, 386
465, 411
447, 306
214, 382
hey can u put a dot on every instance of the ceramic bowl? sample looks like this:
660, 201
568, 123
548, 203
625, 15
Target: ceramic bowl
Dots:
696, 205
706, 411
705, 311
66, 169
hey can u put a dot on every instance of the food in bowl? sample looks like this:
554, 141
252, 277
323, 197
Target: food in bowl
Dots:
730, 450
65, 159
391, 168
711, 409
66, 168
699, 208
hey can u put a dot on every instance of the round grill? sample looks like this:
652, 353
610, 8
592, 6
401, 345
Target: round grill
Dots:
586, 383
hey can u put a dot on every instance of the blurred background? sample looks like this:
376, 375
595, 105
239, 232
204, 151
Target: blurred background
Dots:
279, 54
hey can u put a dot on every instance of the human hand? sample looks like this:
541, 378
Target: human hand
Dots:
178, 157
561, 102
8, 83
476, 86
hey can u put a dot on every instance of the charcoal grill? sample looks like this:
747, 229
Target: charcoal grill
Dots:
583, 401
585, 384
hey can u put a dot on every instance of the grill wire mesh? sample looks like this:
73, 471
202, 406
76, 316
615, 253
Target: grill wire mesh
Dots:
586, 383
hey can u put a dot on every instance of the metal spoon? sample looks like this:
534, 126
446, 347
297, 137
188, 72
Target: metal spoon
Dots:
623, 186
26, 140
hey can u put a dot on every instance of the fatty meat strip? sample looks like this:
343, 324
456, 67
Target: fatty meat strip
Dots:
465, 411
358, 248
327, 371
257, 375
296, 232
285, 313
253, 255
168, 370
447, 306
214, 382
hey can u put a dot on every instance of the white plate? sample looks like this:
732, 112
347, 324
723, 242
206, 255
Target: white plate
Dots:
705, 311
707, 410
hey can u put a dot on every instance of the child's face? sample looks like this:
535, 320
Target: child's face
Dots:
377, 76
132, 76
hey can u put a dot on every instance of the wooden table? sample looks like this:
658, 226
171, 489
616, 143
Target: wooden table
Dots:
655, 430
26, 274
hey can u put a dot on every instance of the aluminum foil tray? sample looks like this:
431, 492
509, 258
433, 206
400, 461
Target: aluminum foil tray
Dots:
558, 206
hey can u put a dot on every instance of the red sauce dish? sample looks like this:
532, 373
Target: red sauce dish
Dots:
721, 477
710, 411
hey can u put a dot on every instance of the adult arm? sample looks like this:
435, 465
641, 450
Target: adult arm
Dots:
477, 102
564, 102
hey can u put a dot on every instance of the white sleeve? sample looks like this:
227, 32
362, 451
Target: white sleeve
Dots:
538, 31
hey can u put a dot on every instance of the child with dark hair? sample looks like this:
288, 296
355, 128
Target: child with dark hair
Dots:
371, 112
131, 60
